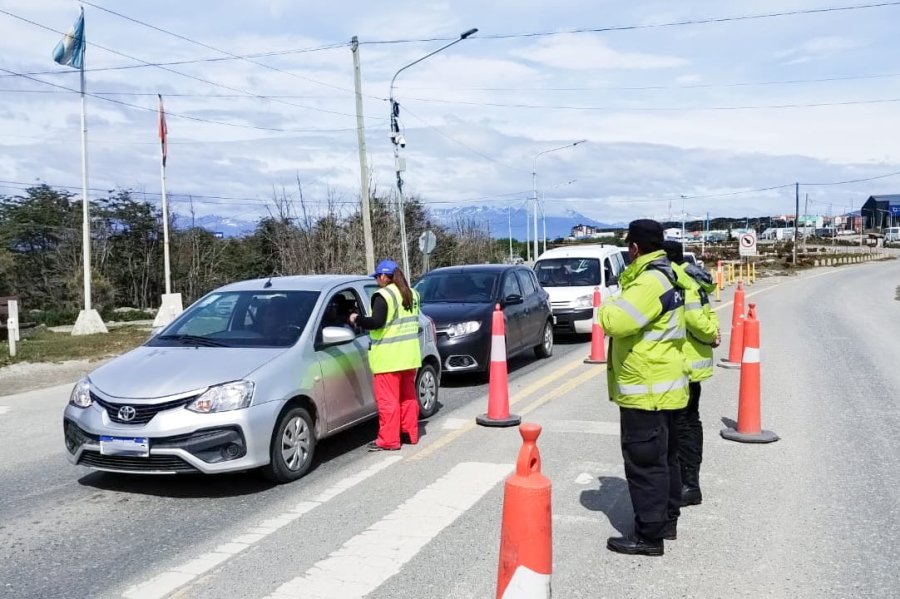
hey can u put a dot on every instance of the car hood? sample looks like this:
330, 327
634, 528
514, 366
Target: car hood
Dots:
151, 372
444, 313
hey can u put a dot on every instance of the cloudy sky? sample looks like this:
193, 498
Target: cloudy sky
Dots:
709, 111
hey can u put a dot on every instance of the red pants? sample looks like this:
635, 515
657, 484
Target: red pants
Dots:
398, 407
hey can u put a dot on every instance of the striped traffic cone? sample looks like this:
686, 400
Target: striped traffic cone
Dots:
526, 539
735, 347
598, 339
498, 386
749, 429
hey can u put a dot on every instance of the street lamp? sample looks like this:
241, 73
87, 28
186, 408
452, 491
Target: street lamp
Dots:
400, 142
544, 212
534, 186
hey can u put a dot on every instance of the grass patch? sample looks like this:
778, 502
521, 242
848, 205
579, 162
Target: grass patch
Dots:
43, 345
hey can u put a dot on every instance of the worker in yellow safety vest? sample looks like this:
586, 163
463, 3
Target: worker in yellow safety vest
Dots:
702, 336
394, 356
647, 378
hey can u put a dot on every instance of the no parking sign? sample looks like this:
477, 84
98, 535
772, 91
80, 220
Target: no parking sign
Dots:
747, 244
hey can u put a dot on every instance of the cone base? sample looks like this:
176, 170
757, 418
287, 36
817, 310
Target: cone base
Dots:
730, 365
762, 436
511, 420
590, 360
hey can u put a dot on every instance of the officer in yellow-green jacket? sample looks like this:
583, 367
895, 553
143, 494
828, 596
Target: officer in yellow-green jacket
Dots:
647, 378
702, 336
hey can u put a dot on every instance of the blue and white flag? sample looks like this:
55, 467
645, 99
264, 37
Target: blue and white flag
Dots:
70, 49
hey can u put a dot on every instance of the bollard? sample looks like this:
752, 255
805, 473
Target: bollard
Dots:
11, 335
526, 538
598, 340
749, 429
498, 385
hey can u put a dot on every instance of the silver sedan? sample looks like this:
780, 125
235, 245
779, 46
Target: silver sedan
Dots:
250, 376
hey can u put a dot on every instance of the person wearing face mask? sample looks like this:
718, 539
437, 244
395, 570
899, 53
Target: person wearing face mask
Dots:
647, 377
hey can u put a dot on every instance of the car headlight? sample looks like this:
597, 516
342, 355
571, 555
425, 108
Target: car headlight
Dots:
81, 394
585, 301
463, 328
222, 398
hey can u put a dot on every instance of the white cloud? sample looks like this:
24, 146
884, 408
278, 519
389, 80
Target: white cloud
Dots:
580, 52
817, 48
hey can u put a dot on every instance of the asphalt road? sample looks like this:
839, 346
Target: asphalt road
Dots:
68, 531
816, 514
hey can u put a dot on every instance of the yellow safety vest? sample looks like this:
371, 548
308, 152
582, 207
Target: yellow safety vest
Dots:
395, 346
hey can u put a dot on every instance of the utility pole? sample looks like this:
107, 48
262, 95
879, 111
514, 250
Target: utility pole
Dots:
363, 162
528, 234
805, 216
796, 214
509, 229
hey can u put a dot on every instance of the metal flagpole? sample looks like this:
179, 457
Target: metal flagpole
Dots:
165, 200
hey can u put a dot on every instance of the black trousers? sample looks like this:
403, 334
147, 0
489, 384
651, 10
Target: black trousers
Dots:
650, 450
690, 439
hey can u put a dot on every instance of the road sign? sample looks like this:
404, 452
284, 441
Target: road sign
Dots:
747, 244
427, 241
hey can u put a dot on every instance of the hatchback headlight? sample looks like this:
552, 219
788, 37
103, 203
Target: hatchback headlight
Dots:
81, 394
463, 328
223, 398
585, 301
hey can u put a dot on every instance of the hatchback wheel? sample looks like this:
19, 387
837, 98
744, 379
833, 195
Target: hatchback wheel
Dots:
427, 390
545, 348
292, 448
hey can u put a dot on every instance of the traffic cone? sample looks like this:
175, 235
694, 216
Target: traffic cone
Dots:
498, 385
526, 542
748, 420
735, 347
598, 339
737, 310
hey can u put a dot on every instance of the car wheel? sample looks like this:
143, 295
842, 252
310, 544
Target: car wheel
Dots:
292, 448
427, 386
545, 348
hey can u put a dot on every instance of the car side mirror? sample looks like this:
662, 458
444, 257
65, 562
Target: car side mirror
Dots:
513, 300
337, 336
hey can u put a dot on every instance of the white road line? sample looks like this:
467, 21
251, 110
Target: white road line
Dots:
367, 560
4, 410
170, 580
453, 424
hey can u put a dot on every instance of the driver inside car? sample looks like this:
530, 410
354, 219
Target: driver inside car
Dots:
274, 319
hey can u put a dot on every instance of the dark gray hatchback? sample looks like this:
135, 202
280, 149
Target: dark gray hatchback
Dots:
461, 300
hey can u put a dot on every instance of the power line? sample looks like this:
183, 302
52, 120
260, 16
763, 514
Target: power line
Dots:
894, 174
187, 75
175, 114
209, 47
656, 108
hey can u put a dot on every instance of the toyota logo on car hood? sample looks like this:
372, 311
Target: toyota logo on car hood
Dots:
127, 413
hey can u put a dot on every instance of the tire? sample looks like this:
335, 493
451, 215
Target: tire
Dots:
545, 348
427, 387
292, 448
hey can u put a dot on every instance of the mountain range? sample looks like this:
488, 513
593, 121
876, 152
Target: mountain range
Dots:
499, 221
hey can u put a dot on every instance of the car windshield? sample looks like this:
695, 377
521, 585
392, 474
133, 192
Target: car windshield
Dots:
241, 319
467, 287
568, 272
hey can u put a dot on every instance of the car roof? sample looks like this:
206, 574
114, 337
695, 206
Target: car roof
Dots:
465, 268
295, 283
581, 251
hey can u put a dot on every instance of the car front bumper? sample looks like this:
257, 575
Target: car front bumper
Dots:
180, 441
578, 320
468, 353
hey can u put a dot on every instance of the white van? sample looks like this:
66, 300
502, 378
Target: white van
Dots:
570, 274
892, 234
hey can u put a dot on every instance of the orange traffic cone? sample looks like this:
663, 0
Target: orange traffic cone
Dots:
735, 347
526, 544
748, 421
598, 339
498, 386
737, 310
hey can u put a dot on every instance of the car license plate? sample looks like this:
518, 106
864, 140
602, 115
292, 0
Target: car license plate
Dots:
125, 446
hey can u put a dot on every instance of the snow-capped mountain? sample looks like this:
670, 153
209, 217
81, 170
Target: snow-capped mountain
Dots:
501, 220
223, 226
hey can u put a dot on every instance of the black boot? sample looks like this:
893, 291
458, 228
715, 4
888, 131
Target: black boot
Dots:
691, 496
634, 546
670, 532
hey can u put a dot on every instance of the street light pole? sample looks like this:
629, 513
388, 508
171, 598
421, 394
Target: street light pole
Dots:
399, 142
534, 186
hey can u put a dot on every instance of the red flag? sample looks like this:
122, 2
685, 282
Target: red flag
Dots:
163, 131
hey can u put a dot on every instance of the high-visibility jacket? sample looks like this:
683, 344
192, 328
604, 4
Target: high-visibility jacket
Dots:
647, 369
395, 346
701, 322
